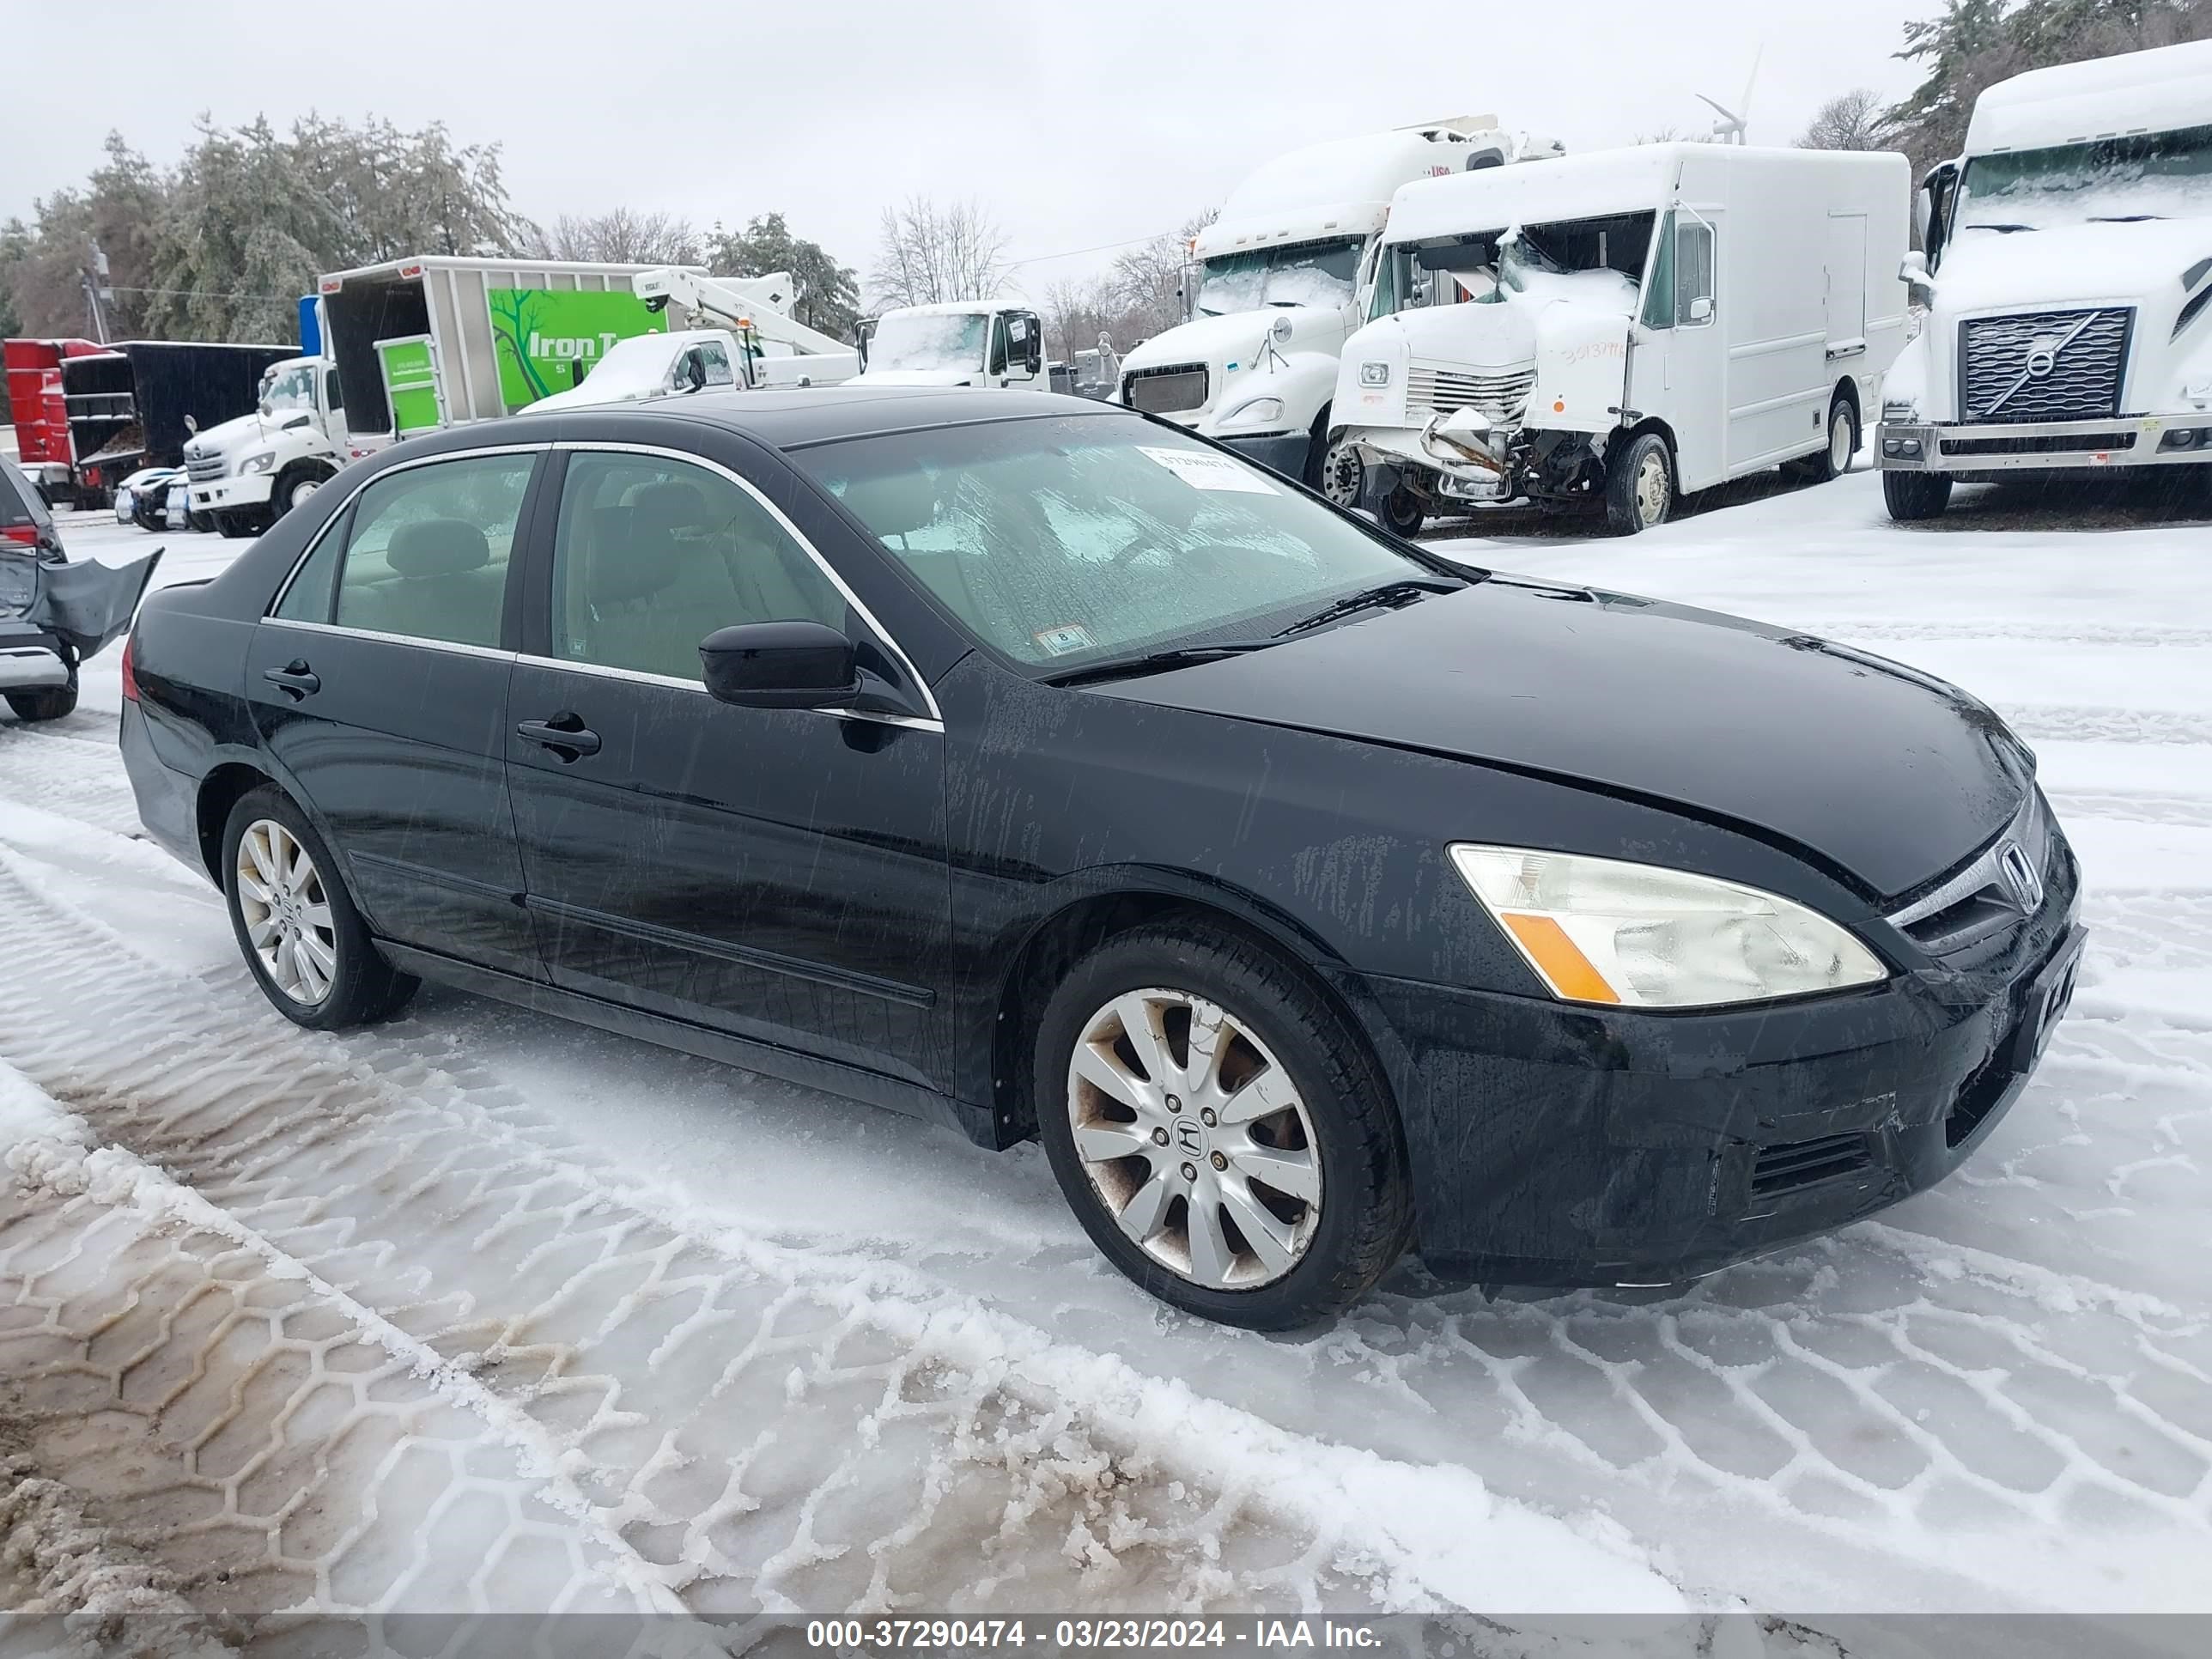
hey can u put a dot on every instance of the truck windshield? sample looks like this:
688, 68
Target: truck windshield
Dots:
942, 341
1314, 274
1602, 259
289, 389
2157, 175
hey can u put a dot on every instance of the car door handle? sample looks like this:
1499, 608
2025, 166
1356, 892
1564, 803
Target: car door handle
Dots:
565, 734
297, 679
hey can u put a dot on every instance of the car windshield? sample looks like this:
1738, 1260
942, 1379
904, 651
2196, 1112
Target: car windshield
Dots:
2159, 175
289, 389
1072, 540
951, 340
1316, 274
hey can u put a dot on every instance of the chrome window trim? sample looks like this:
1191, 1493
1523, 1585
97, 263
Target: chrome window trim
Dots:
353, 495
460, 646
936, 717
640, 677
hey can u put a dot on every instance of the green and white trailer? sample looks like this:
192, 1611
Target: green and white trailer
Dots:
433, 341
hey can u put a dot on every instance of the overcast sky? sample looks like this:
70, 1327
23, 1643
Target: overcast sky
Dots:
1074, 122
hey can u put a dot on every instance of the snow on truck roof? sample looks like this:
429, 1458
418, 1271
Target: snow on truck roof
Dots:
1342, 187
1595, 184
2154, 91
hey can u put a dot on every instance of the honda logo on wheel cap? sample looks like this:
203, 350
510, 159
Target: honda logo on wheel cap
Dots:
1190, 1136
2022, 876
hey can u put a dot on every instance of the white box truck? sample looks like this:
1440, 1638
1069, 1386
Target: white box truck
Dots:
2067, 266
1277, 283
1623, 327
958, 343
408, 346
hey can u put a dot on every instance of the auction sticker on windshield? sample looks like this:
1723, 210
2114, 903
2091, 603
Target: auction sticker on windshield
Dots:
1202, 471
1058, 641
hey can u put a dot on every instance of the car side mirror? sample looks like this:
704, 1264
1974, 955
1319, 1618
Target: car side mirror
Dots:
1912, 271
779, 664
191, 423
1701, 309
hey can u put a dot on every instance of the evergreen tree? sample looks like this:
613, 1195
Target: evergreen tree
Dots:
828, 293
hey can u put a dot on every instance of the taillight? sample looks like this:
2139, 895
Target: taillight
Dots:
130, 673
24, 535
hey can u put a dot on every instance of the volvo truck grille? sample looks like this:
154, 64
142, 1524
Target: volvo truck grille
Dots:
1503, 397
1171, 389
2045, 366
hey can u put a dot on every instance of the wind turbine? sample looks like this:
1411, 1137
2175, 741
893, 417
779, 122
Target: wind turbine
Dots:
1730, 128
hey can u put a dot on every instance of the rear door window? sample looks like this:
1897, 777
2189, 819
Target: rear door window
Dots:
427, 549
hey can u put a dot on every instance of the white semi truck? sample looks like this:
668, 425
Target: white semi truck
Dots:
1624, 326
960, 343
1277, 285
2067, 267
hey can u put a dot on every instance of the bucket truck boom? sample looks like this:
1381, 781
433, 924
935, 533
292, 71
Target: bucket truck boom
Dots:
755, 309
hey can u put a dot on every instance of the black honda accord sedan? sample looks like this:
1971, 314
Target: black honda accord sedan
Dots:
1023, 762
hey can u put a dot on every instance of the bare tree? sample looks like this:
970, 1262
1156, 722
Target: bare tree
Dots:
626, 236
930, 254
1849, 120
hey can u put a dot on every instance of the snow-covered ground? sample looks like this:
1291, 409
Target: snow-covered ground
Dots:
481, 1310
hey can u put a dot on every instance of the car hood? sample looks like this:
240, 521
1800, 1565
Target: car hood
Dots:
948, 376
221, 438
1884, 775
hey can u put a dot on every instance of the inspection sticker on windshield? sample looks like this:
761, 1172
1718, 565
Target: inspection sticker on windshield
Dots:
1058, 641
1203, 472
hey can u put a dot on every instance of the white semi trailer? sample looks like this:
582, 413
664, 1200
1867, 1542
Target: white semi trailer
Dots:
1277, 284
1624, 326
2068, 273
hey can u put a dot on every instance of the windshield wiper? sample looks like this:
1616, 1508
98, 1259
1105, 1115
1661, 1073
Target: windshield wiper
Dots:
2122, 218
1152, 662
1392, 594
1979, 225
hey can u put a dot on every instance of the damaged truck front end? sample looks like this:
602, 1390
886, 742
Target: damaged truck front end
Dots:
1503, 378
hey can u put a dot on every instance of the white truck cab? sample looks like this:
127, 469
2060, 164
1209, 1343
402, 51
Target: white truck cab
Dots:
645, 366
2068, 275
1278, 283
246, 473
962, 342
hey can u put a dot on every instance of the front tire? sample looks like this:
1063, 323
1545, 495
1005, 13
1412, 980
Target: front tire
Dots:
303, 940
202, 522
296, 484
235, 526
1639, 486
1911, 496
1221, 1132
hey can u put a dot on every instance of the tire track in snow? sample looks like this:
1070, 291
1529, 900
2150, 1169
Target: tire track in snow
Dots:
769, 1425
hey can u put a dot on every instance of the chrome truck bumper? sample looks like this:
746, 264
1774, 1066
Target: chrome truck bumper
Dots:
2044, 445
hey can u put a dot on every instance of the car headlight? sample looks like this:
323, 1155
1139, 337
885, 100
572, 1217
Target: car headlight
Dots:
1603, 931
257, 463
1254, 411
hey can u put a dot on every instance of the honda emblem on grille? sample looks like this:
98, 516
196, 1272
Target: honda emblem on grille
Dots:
2022, 876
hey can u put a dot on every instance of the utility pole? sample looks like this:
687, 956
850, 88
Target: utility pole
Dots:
97, 293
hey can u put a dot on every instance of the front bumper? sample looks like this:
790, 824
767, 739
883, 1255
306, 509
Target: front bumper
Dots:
1279, 452
228, 494
1554, 1145
2043, 446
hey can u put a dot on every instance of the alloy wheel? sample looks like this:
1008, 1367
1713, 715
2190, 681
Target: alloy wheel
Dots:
1195, 1139
287, 912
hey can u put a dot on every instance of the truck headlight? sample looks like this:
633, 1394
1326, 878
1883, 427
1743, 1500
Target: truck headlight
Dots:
1254, 411
1375, 373
257, 464
1604, 931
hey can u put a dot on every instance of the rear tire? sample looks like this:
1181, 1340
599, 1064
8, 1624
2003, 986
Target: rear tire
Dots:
1911, 496
1639, 485
48, 702
1166, 1211
303, 940
1834, 460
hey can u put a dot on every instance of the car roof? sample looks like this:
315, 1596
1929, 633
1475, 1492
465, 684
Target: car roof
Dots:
796, 416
